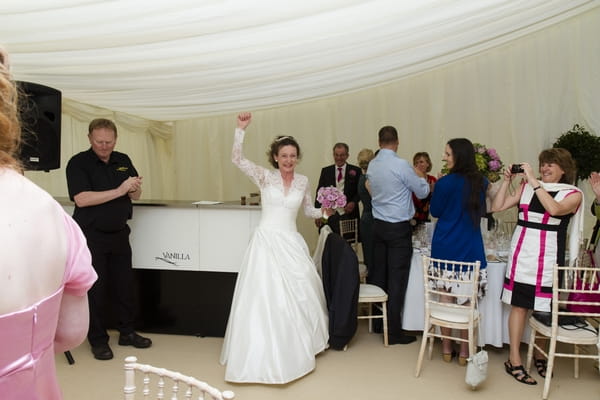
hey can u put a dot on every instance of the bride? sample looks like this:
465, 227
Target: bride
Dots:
278, 319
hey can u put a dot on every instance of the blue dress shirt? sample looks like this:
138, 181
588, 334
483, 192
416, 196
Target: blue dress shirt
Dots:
393, 180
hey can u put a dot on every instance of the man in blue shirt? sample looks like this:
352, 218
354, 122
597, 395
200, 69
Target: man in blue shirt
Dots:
392, 181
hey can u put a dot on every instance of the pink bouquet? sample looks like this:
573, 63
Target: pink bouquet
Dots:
331, 197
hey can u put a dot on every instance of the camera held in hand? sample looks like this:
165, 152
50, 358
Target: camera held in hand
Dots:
516, 169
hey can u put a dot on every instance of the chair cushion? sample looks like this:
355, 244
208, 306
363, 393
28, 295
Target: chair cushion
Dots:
451, 314
368, 290
567, 334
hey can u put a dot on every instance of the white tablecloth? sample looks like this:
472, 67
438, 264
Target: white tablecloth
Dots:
494, 313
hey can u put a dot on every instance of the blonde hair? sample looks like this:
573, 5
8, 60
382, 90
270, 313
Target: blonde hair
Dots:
425, 155
364, 157
10, 128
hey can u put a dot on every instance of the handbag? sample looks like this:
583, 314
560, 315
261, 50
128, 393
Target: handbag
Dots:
477, 364
545, 318
477, 367
589, 281
583, 308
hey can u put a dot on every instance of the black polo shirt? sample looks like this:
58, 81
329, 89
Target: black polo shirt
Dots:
86, 172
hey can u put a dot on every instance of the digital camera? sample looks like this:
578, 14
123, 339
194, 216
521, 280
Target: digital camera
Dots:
516, 169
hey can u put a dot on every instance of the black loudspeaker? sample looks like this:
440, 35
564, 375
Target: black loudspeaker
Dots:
40, 111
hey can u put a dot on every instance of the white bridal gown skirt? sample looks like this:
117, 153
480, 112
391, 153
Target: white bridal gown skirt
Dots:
278, 319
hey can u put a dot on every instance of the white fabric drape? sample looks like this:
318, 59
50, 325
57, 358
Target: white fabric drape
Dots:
184, 58
515, 82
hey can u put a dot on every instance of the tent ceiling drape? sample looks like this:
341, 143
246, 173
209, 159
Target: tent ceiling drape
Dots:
183, 59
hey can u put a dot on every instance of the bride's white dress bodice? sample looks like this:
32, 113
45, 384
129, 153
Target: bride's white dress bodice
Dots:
279, 205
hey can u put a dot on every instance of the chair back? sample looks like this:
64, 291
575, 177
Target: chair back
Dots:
507, 227
585, 255
349, 231
451, 289
575, 299
318, 253
575, 292
160, 379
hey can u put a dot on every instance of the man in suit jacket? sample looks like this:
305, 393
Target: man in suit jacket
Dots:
345, 177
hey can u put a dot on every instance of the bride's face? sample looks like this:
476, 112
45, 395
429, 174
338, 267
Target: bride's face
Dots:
287, 158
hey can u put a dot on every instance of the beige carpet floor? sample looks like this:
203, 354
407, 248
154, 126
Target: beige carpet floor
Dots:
367, 370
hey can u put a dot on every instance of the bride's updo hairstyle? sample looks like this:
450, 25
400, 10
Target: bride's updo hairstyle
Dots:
277, 144
10, 128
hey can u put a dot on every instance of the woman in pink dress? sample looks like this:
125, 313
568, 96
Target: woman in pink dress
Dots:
45, 271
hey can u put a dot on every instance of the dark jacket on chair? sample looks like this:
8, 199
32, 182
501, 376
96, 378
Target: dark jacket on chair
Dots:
341, 286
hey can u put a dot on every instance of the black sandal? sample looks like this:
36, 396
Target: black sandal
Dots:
519, 373
541, 365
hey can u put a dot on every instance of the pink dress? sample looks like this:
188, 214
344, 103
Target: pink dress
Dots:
27, 368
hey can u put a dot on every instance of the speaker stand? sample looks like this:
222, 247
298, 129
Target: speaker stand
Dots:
70, 358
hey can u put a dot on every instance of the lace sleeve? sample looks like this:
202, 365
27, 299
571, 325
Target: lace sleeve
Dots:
255, 172
309, 210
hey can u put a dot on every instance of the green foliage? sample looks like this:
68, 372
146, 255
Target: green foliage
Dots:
487, 160
584, 148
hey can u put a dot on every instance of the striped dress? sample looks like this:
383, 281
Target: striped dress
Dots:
538, 243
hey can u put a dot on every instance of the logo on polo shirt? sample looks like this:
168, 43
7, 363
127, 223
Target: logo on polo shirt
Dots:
122, 169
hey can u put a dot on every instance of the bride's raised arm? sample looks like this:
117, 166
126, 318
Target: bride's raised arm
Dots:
255, 172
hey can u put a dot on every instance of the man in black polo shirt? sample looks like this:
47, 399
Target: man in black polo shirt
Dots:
102, 183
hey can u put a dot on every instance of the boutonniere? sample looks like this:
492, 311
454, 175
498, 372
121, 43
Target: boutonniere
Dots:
352, 173
122, 169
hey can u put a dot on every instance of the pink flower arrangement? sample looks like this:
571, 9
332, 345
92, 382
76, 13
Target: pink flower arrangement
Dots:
488, 162
331, 197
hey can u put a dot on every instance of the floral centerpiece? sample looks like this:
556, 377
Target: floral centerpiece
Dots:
331, 197
488, 162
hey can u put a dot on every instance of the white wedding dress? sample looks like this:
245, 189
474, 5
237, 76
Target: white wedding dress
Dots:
278, 319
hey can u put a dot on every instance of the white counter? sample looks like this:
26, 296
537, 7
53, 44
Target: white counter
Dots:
183, 236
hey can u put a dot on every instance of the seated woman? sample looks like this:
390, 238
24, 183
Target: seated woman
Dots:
422, 165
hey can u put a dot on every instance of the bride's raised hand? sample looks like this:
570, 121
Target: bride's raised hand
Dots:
243, 120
